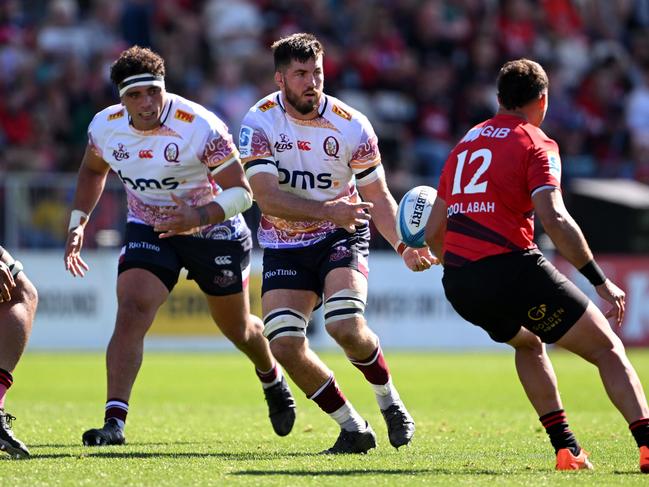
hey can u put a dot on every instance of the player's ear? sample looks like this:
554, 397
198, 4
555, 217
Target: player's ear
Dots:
279, 79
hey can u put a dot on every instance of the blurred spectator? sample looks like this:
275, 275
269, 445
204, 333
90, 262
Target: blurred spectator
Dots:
421, 69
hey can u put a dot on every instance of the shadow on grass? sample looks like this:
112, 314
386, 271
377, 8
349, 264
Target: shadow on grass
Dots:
89, 454
370, 471
136, 443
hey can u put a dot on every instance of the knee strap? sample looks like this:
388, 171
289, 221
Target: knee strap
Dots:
284, 322
346, 303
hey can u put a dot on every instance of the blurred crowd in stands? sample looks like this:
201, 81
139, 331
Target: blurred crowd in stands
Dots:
423, 71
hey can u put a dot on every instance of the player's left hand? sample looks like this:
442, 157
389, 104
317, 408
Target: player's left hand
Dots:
612, 294
182, 220
7, 282
419, 260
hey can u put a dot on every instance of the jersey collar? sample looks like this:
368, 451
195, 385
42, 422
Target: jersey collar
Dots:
321, 109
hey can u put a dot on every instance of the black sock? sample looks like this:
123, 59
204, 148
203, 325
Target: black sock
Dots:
557, 428
640, 431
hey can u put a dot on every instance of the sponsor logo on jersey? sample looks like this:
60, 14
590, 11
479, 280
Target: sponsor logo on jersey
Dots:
331, 146
142, 184
341, 113
171, 152
245, 138
554, 162
304, 145
280, 273
304, 179
145, 154
116, 115
267, 106
283, 144
120, 153
223, 260
184, 116
486, 131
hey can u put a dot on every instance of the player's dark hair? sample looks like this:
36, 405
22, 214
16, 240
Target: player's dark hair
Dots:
520, 82
136, 60
300, 47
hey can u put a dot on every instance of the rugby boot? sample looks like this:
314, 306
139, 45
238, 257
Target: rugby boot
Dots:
353, 442
281, 407
567, 461
401, 426
644, 459
8, 442
109, 434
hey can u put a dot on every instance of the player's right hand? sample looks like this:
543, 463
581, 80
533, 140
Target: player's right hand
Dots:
7, 282
612, 294
348, 215
72, 258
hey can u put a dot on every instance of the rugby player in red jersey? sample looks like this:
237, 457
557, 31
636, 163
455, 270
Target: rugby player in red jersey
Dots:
18, 299
502, 172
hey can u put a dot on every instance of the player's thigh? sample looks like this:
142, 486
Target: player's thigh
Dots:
591, 335
231, 313
139, 295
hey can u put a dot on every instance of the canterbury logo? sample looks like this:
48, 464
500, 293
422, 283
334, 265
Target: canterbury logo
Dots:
116, 115
267, 106
537, 312
223, 260
341, 113
304, 145
184, 116
145, 154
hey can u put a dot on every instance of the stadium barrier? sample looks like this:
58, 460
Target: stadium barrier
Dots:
407, 310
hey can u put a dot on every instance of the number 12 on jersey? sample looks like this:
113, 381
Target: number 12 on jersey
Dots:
473, 186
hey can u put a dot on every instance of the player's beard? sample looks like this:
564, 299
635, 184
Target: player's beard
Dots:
302, 106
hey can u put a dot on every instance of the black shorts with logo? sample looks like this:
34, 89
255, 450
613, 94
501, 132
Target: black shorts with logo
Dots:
305, 268
215, 265
503, 293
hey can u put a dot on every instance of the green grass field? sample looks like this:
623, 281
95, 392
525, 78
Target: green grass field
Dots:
200, 419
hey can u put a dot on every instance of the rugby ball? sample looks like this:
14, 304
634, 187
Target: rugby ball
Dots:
413, 213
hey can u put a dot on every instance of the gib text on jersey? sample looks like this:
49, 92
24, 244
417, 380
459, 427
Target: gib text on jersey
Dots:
487, 183
180, 157
319, 159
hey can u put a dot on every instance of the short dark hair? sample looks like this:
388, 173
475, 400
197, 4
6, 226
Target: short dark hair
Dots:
520, 82
136, 60
300, 46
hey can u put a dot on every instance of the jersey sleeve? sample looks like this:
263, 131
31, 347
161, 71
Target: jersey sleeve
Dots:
443, 183
544, 169
218, 151
365, 162
94, 137
255, 147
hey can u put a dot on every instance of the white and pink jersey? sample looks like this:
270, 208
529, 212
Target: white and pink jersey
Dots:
181, 156
319, 159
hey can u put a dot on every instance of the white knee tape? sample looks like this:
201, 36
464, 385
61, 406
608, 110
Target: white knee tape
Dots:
284, 322
346, 303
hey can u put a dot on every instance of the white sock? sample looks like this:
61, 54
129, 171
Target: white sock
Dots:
348, 418
386, 394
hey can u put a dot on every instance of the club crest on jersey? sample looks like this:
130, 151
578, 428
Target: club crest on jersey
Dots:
184, 116
331, 146
116, 115
120, 153
283, 144
264, 107
341, 113
171, 152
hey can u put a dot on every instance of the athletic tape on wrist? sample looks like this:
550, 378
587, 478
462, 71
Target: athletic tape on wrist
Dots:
400, 247
234, 201
77, 218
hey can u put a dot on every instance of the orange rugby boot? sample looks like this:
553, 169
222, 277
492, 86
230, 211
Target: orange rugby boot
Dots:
644, 459
567, 461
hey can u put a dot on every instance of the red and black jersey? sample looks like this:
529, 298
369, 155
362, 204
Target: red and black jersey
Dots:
487, 184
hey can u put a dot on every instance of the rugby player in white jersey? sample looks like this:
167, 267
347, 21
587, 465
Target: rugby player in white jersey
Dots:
186, 190
18, 300
310, 159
